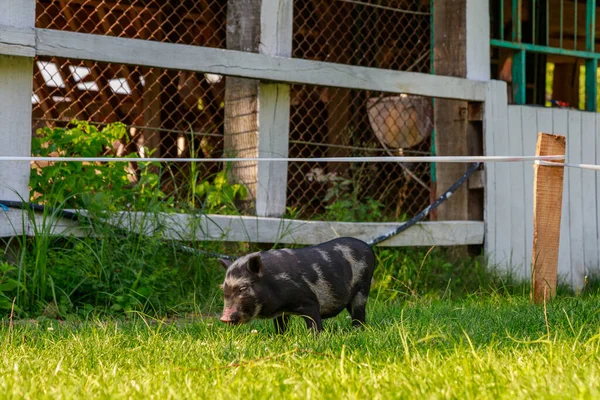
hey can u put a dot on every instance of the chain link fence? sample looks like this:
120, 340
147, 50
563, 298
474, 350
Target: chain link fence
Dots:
179, 114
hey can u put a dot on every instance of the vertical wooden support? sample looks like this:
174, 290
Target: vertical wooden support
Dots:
461, 48
547, 206
151, 114
257, 114
16, 86
276, 24
241, 94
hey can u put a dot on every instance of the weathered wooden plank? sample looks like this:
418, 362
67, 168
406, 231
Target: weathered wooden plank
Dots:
276, 34
12, 224
575, 200
265, 230
519, 260
535, 120
451, 116
503, 189
477, 180
588, 184
478, 44
236, 63
16, 86
17, 42
273, 141
495, 123
547, 204
560, 124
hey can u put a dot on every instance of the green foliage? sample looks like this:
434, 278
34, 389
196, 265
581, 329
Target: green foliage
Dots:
348, 209
220, 197
348, 205
106, 186
404, 273
8, 285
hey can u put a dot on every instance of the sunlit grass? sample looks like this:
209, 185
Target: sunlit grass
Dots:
493, 347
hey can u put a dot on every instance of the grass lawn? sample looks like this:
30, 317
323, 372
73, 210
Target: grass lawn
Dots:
493, 347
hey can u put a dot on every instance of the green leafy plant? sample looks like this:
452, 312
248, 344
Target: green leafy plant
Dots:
220, 196
8, 285
96, 186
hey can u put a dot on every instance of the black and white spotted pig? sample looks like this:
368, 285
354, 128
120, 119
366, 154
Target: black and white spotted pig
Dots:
315, 282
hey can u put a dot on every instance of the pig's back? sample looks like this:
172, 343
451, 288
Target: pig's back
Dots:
332, 271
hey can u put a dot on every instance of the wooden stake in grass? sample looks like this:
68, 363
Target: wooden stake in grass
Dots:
547, 205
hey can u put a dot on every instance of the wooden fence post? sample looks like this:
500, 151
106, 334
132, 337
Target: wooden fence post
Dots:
547, 206
256, 113
16, 86
276, 24
461, 49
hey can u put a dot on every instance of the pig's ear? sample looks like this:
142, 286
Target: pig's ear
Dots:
225, 263
255, 265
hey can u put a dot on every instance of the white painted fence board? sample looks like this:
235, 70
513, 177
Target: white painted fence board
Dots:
242, 64
256, 229
16, 86
531, 127
18, 42
273, 141
588, 181
560, 126
518, 261
503, 189
274, 111
575, 199
478, 39
495, 124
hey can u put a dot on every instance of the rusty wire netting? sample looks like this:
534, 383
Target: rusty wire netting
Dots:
164, 109
392, 34
197, 22
328, 122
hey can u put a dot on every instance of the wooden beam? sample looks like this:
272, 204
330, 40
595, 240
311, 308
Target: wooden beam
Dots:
241, 97
235, 63
478, 39
255, 229
497, 202
461, 44
547, 207
276, 23
16, 87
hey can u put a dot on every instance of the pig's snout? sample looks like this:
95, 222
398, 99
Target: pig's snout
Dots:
230, 316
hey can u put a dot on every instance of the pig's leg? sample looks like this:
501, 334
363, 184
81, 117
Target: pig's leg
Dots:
312, 318
357, 308
281, 323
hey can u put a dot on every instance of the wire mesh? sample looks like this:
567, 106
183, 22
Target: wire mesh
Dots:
328, 122
392, 34
197, 22
180, 114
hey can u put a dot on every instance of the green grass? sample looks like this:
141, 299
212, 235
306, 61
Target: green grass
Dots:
478, 347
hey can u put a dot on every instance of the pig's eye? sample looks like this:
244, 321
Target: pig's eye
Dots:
242, 288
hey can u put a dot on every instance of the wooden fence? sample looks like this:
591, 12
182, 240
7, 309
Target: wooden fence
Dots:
20, 42
509, 210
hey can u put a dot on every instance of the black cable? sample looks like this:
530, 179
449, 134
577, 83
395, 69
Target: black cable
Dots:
427, 210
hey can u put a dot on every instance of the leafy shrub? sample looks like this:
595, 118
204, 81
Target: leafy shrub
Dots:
220, 197
96, 186
8, 285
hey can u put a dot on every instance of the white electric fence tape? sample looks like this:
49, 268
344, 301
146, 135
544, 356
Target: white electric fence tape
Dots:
580, 166
407, 159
